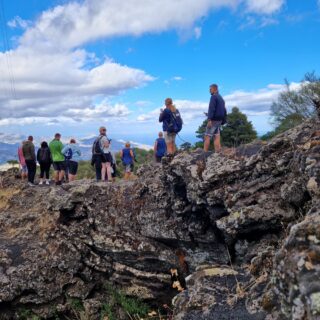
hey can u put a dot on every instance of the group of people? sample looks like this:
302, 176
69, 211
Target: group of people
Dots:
64, 158
172, 124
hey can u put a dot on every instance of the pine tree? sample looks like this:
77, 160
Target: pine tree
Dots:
238, 129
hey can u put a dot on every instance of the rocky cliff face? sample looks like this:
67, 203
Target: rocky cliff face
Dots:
242, 232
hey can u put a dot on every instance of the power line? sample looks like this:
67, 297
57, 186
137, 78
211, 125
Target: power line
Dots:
7, 50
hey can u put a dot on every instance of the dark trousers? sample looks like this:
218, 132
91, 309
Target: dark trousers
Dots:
32, 168
97, 164
45, 169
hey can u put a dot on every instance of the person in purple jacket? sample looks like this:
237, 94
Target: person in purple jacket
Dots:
216, 117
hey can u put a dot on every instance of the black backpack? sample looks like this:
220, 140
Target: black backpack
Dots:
44, 155
96, 148
175, 123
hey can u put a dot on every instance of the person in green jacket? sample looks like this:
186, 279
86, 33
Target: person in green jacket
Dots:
56, 147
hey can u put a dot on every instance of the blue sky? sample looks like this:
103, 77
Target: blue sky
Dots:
73, 66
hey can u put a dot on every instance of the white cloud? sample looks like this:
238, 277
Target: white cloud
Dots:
74, 24
264, 6
18, 22
267, 21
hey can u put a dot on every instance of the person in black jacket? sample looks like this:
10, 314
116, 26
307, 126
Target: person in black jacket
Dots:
44, 158
216, 117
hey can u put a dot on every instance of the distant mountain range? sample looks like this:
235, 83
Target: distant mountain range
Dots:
8, 149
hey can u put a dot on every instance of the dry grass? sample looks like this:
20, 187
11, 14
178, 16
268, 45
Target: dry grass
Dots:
5, 195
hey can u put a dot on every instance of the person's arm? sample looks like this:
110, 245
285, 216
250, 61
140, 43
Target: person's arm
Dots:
121, 154
212, 108
64, 149
38, 155
33, 152
19, 155
131, 154
155, 146
162, 115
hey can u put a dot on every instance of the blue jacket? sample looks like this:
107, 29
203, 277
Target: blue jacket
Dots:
76, 152
165, 118
126, 156
161, 147
217, 109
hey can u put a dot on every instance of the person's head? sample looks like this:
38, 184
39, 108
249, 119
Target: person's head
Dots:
127, 144
44, 144
160, 134
102, 130
30, 138
168, 102
57, 136
213, 88
72, 141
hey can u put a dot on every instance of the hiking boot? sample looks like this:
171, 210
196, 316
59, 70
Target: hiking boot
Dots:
41, 182
47, 182
30, 184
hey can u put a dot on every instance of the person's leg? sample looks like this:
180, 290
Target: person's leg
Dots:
217, 144
103, 171
29, 168
42, 169
56, 176
171, 147
47, 170
174, 149
61, 175
73, 168
97, 164
33, 170
66, 170
108, 168
206, 145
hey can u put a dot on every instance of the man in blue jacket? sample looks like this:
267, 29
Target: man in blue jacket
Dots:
216, 117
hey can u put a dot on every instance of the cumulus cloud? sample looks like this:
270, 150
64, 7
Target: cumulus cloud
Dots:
77, 23
53, 78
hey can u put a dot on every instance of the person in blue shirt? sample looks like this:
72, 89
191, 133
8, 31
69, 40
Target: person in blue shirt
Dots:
160, 147
216, 117
127, 157
72, 154
165, 118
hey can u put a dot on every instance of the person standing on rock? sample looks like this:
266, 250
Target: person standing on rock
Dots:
127, 157
44, 158
101, 156
172, 124
22, 163
56, 147
28, 151
216, 117
72, 155
160, 147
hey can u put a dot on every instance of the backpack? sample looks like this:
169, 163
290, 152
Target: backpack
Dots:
96, 147
68, 154
175, 124
44, 155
